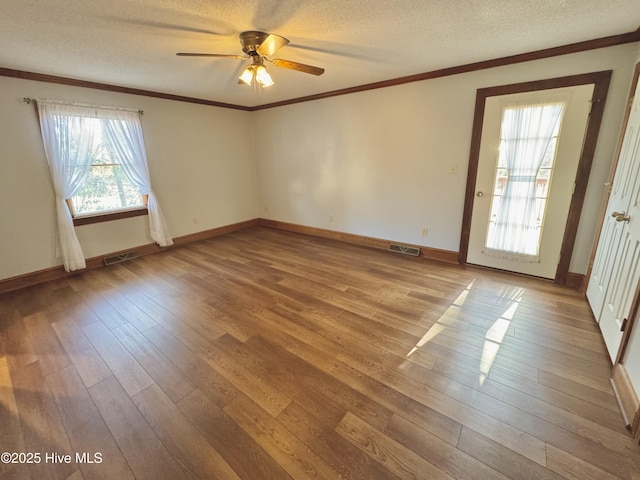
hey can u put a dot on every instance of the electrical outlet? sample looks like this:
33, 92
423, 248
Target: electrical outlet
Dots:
267, 210
424, 231
331, 218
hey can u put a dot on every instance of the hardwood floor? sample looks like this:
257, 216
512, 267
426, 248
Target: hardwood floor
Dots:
264, 354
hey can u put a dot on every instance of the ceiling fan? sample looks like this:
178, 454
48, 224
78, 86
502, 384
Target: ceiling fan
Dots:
258, 46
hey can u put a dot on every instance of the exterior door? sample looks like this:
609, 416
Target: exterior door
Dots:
616, 267
556, 184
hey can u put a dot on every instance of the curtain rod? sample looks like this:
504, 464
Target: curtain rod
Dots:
29, 100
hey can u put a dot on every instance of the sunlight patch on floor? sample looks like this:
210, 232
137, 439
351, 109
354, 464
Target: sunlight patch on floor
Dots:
437, 327
494, 335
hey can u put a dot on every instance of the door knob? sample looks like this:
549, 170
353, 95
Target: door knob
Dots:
480, 194
621, 217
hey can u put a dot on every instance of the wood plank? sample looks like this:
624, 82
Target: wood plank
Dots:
270, 398
11, 437
131, 312
573, 468
105, 311
180, 437
508, 435
15, 340
431, 420
210, 382
617, 441
127, 370
579, 443
196, 314
174, 383
338, 452
605, 416
83, 355
224, 317
23, 472
579, 390
335, 390
154, 308
386, 451
295, 457
541, 356
439, 453
237, 448
320, 327
269, 361
502, 459
145, 453
46, 344
42, 427
87, 431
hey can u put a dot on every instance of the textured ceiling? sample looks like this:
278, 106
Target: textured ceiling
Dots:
132, 43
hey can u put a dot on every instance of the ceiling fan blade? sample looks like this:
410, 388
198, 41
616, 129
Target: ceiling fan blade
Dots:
300, 67
271, 45
188, 54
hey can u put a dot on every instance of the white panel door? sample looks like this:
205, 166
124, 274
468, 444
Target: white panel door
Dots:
622, 192
622, 285
625, 268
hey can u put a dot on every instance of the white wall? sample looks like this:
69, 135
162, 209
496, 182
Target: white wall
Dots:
199, 160
379, 161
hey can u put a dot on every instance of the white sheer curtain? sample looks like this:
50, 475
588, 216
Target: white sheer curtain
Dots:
123, 135
526, 133
68, 142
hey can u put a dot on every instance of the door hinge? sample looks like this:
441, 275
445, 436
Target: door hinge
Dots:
624, 324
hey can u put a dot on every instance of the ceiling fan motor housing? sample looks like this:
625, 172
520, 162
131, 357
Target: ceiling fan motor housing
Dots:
250, 41
261, 43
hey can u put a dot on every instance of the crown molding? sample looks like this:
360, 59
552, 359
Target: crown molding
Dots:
610, 41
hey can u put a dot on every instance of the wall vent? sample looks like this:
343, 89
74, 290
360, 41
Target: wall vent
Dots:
414, 251
122, 257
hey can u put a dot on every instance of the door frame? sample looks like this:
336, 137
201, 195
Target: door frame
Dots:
601, 81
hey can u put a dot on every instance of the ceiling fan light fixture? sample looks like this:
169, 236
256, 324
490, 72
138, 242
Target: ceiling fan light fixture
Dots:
263, 77
247, 75
258, 73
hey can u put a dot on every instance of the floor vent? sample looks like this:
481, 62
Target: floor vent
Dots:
121, 257
414, 251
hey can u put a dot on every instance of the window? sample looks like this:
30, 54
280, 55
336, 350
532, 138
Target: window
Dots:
98, 165
522, 179
106, 189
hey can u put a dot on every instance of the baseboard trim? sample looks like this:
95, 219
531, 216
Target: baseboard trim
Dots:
378, 243
576, 280
625, 395
215, 232
55, 273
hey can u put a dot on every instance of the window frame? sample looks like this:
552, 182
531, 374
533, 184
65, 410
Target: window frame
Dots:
109, 215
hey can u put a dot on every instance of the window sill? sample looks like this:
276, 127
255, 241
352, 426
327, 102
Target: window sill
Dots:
107, 217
